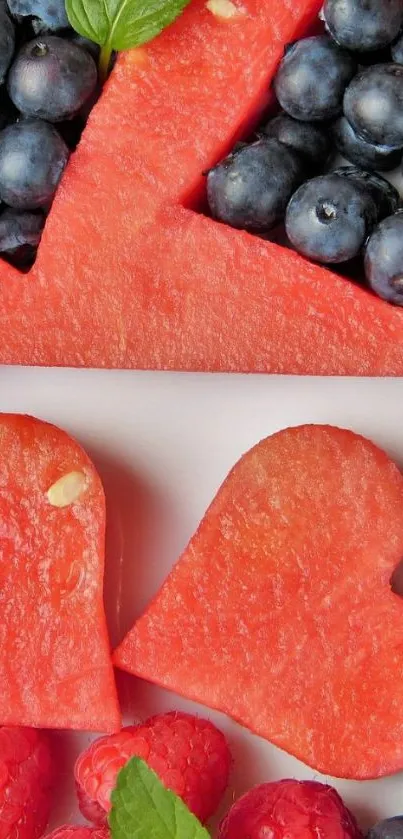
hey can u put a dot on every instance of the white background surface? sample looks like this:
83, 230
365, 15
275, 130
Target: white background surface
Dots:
163, 443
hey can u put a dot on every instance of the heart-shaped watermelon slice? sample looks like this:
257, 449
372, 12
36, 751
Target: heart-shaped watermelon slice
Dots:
130, 274
55, 666
280, 612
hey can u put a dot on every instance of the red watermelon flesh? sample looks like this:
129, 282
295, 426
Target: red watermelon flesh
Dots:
126, 277
280, 611
55, 667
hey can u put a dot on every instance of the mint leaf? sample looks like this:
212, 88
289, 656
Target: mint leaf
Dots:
142, 808
122, 24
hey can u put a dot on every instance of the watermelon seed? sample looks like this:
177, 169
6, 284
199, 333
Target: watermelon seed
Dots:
67, 489
396, 580
224, 9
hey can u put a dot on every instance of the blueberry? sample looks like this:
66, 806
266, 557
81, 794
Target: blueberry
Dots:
328, 219
384, 272
373, 105
38, 28
32, 160
359, 151
84, 43
391, 828
363, 25
397, 51
312, 77
52, 78
384, 194
20, 234
7, 42
51, 13
250, 188
310, 140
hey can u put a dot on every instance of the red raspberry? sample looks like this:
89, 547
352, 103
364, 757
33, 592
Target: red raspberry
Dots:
25, 783
189, 754
78, 831
290, 810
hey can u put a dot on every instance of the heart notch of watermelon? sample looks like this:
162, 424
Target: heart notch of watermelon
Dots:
129, 275
283, 610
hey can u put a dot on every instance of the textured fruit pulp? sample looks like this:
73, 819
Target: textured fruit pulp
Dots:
309, 808
190, 756
70, 832
27, 774
280, 613
127, 277
55, 665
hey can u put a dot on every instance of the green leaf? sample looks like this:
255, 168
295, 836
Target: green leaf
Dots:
142, 808
122, 24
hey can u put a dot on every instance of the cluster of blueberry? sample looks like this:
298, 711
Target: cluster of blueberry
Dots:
49, 82
340, 93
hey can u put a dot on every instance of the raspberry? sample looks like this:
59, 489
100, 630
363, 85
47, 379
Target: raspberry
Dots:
25, 782
78, 831
189, 754
290, 810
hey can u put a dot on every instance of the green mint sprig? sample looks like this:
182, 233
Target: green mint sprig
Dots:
142, 808
121, 24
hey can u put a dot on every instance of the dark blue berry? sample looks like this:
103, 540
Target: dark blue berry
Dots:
19, 227
38, 28
363, 25
84, 43
391, 828
384, 194
312, 77
20, 234
32, 160
52, 78
328, 219
373, 104
359, 151
7, 41
384, 272
250, 188
309, 139
51, 13
397, 51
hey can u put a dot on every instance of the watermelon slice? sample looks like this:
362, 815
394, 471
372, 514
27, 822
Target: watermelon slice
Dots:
55, 667
280, 611
130, 274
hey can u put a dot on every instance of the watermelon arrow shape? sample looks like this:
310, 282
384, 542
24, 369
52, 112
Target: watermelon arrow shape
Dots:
131, 274
280, 611
55, 667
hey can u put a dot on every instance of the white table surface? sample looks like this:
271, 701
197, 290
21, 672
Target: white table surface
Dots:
163, 443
